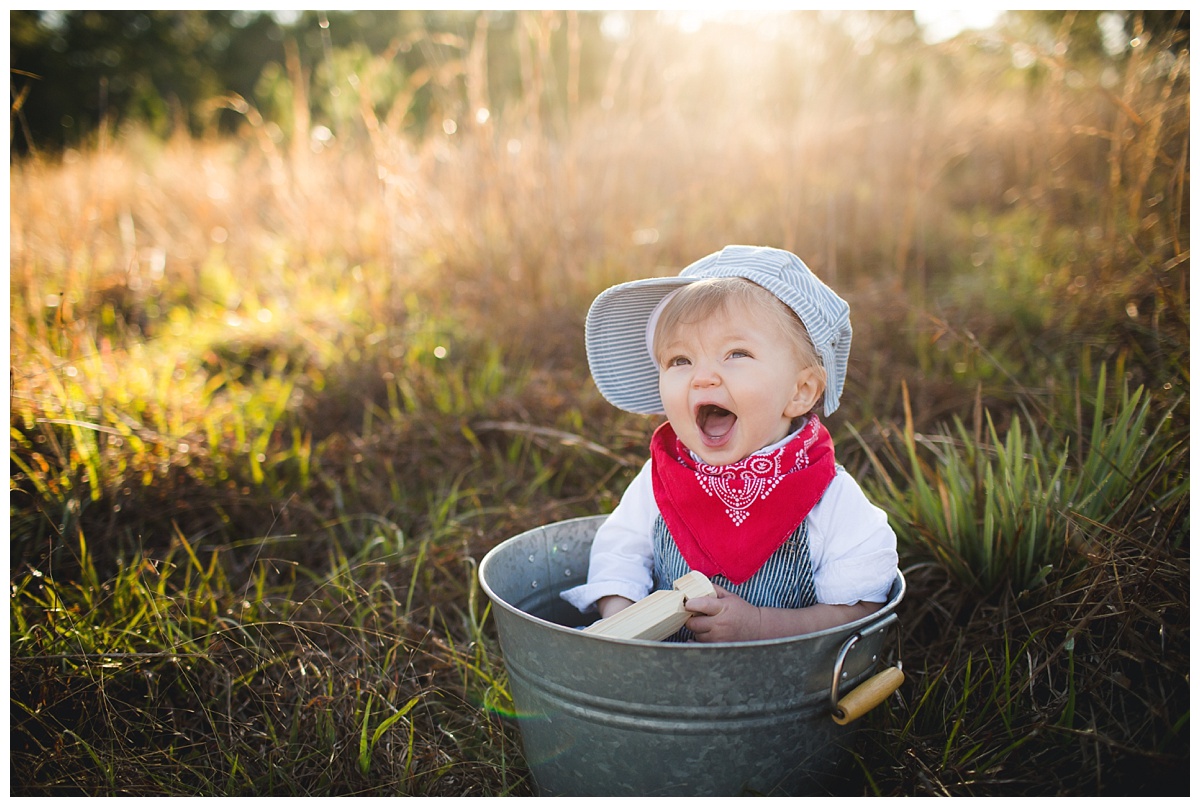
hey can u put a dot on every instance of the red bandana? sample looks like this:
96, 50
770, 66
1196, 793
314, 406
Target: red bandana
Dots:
728, 519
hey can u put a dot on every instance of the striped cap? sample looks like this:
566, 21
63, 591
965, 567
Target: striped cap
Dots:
616, 335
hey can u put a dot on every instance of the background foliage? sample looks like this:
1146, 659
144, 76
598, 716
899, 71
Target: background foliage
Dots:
163, 69
296, 337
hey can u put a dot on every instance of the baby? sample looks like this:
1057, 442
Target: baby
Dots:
740, 352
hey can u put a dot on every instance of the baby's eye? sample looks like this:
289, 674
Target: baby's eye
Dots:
739, 354
677, 361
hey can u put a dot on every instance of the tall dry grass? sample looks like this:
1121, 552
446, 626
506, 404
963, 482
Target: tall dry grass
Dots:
874, 164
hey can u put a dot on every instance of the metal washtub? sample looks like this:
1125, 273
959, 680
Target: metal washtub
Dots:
602, 716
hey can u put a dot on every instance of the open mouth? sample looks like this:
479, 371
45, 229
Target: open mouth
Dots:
714, 422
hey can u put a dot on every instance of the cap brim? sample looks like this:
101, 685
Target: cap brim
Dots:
615, 337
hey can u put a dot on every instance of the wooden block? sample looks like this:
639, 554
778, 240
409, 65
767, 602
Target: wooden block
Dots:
694, 584
656, 616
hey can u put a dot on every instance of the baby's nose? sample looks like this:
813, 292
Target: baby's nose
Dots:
705, 375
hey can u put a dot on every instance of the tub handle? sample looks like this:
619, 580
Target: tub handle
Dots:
870, 693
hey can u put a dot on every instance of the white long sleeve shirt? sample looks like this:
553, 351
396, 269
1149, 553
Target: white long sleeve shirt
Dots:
853, 550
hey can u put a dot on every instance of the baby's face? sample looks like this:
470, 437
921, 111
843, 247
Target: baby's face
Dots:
731, 385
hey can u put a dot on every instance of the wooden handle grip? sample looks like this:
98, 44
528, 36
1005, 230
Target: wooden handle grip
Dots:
867, 695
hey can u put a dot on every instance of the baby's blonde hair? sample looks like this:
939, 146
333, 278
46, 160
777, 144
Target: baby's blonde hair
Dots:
698, 301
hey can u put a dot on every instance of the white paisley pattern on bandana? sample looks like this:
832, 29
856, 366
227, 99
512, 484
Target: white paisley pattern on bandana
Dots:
740, 485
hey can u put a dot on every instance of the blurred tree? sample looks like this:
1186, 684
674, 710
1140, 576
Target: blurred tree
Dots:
1104, 34
84, 68
73, 70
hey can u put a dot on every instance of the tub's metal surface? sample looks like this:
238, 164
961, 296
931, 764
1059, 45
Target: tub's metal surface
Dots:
602, 716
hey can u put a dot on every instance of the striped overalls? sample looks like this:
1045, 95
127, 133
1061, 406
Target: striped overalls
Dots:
784, 581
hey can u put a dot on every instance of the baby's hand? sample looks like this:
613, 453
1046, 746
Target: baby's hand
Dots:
723, 618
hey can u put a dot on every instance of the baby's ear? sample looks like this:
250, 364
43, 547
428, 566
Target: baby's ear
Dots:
810, 387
